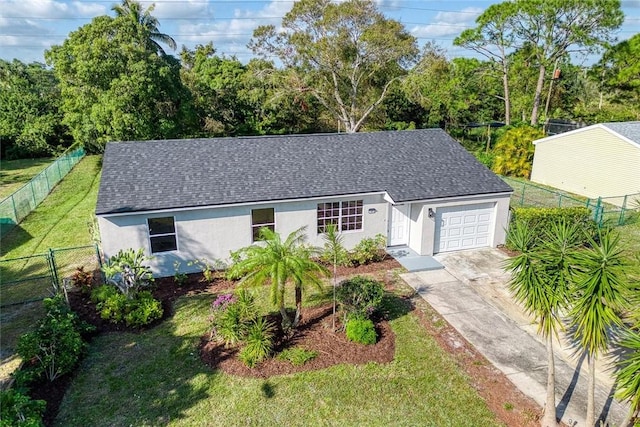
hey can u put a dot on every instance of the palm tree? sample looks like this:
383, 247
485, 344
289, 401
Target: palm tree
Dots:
334, 252
279, 263
628, 377
541, 277
599, 298
133, 9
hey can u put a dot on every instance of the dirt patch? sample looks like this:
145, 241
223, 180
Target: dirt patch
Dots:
315, 333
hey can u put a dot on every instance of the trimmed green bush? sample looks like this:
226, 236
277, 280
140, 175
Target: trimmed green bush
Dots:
55, 347
116, 307
360, 296
17, 409
369, 250
297, 356
361, 331
546, 218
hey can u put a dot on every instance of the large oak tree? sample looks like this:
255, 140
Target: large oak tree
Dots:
347, 55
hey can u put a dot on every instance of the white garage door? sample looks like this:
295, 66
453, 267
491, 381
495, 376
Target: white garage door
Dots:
464, 227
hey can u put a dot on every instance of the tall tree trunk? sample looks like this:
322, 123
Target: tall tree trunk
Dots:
549, 418
591, 410
507, 98
537, 96
298, 315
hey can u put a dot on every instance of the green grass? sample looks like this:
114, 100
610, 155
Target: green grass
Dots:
16, 173
156, 378
63, 218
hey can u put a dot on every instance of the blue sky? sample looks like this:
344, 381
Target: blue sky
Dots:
28, 27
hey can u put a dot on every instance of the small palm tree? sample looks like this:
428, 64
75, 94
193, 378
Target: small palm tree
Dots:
279, 263
335, 252
541, 278
599, 298
133, 9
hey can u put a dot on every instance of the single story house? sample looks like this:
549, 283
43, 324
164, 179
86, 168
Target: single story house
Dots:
601, 160
190, 199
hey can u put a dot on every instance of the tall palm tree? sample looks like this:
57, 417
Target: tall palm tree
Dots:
133, 9
599, 298
540, 281
280, 263
628, 377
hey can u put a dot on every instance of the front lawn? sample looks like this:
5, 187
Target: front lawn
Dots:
156, 377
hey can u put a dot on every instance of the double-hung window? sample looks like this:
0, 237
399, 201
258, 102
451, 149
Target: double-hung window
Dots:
162, 234
262, 218
346, 216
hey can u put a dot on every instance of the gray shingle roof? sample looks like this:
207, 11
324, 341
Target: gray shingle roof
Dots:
630, 130
409, 165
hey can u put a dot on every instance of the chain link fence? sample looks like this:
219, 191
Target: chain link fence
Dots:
610, 210
18, 205
32, 278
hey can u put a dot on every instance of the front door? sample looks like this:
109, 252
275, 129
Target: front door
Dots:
399, 225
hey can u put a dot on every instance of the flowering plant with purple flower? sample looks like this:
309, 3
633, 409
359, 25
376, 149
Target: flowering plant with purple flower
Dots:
222, 301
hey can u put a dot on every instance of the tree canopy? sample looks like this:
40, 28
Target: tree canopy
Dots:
347, 55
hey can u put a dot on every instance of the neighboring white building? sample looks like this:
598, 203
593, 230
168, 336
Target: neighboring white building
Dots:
602, 160
182, 200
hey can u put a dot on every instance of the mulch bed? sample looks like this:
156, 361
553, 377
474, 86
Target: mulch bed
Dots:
315, 333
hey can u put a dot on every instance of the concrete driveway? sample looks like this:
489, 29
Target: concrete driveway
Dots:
471, 294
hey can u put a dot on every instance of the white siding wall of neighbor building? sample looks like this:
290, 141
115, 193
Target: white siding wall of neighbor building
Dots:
213, 232
592, 162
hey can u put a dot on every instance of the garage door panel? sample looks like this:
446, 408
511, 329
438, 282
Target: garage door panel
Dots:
464, 227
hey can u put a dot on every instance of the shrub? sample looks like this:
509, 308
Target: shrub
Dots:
361, 331
232, 316
208, 268
546, 218
514, 151
56, 345
360, 296
126, 271
178, 277
142, 310
259, 342
297, 356
369, 250
82, 280
17, 409
116, 307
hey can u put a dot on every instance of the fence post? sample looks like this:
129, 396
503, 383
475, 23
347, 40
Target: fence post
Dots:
15, 211
54, 269
598, 212
33, 194
524, 186
622, 210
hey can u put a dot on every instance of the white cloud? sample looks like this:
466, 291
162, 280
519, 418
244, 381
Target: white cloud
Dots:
447, 23
231, 35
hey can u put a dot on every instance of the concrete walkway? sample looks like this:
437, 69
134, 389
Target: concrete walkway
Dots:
471, 294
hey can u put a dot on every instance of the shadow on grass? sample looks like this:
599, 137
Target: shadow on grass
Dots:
13, 236
150, 377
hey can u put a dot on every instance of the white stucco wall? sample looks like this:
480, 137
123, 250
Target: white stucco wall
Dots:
423, 229
591, 162
213, 233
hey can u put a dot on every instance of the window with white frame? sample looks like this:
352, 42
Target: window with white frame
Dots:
262, 218
346, 216
162, 234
